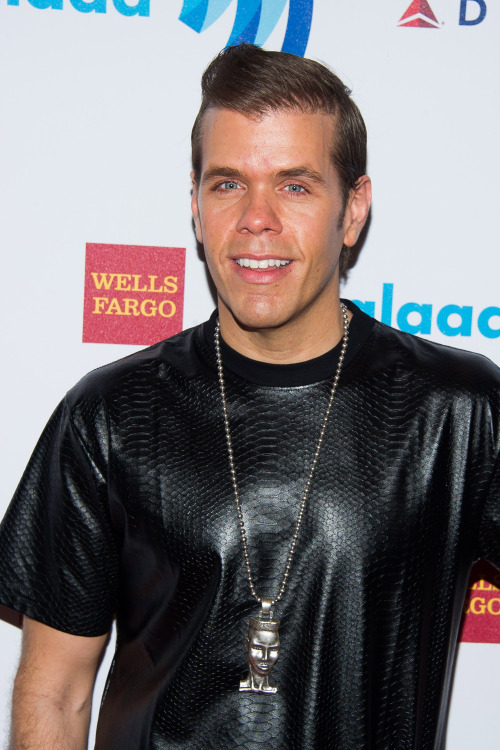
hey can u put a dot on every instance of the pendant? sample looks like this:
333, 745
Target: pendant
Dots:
263, 646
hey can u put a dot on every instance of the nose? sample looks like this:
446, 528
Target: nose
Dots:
266, 653
259, 213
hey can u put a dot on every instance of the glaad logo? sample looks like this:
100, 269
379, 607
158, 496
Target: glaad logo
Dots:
451, 320
420, 14
255, 20
140, 8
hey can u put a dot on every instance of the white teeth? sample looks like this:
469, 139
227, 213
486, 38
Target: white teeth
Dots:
269, 262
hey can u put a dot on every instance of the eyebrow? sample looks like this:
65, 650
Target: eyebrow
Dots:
304, 172
283, 174
216, 172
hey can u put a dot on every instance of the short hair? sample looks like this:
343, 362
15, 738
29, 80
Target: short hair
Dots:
247, 79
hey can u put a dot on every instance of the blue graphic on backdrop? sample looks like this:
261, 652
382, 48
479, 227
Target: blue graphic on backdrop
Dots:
419, 318
141, 8
255, 20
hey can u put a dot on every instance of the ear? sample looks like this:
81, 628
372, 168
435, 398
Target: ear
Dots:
195, 209
358, 207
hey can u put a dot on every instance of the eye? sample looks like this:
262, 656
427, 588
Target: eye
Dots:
293, 187
229, 185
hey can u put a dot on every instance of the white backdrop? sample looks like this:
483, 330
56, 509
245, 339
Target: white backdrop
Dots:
96, 111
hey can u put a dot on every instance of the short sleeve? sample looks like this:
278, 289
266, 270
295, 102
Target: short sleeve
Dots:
58, 559
489, 537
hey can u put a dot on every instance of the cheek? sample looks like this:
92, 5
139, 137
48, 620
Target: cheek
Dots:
213, 231
273, 655
318, 237
212, 264
255, 654
197, 229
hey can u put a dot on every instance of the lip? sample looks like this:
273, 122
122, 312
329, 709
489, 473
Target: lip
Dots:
260, 256
261, 276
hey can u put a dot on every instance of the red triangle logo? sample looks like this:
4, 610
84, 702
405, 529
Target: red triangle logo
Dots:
422, 7
419, 23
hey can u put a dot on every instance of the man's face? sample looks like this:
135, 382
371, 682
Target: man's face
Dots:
267, 210
263, 650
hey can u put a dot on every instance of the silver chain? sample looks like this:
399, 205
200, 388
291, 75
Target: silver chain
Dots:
307, 488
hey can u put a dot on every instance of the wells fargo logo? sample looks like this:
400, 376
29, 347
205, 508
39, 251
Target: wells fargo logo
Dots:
133, 294
482, 608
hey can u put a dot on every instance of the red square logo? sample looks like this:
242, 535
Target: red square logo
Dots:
481, 623
133, 294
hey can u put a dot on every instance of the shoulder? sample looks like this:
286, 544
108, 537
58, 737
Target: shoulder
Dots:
394, 354
181, 356
443, 364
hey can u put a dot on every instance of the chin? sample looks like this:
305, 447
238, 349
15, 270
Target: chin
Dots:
259, 319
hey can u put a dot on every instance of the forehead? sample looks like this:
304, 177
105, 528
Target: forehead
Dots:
278, 139
264, 637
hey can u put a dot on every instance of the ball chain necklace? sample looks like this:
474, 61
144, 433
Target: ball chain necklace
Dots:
263, 635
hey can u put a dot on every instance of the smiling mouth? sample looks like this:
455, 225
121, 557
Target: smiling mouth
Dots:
262, 264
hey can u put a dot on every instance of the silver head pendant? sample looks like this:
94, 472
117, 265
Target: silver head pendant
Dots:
263, 650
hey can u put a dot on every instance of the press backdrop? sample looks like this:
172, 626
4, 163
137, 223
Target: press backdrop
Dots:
98, 254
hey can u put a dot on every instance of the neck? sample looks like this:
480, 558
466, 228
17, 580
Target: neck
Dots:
258, 680
295, 342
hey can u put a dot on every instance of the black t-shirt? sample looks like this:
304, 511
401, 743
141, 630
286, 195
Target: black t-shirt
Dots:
127, 509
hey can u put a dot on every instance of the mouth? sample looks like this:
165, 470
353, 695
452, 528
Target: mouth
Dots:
261, 265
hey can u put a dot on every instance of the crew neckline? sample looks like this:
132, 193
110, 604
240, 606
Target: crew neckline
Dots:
297, 373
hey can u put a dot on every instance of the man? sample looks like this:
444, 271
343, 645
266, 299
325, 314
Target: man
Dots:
291, 463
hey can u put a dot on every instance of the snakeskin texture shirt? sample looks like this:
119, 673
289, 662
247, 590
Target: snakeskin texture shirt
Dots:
126, 511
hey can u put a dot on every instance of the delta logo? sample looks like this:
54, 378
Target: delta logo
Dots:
481, 623
419, 14
254, 21
133, 294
